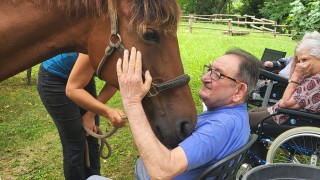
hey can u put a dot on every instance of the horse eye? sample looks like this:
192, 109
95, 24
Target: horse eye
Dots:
151, 35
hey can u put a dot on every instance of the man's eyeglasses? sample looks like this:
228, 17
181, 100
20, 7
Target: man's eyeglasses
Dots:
216, 75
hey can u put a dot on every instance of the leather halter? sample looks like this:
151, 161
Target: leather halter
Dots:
114, 38
115, 43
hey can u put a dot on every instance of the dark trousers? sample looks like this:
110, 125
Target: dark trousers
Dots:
67, 118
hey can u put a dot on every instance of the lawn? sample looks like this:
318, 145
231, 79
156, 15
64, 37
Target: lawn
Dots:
30, 147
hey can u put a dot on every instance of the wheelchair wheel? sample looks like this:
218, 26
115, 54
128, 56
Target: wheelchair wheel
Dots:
298, 145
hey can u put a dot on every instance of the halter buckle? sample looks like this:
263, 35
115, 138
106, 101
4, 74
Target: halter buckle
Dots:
153, 91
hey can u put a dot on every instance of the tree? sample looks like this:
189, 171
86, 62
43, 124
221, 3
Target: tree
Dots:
251, 7
276, 10
304, 15
203, 6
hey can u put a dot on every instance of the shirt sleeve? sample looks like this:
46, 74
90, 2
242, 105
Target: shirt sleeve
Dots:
307, 94
204, 144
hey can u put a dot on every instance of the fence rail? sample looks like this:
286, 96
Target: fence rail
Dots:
251, 23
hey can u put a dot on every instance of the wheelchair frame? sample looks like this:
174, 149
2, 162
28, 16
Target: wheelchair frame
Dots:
273, 137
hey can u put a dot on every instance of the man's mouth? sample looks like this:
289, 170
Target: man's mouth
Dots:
206, 86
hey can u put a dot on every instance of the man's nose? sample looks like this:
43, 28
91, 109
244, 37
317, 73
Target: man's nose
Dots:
206, 77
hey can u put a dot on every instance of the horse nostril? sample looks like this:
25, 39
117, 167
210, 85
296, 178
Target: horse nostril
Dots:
184, 129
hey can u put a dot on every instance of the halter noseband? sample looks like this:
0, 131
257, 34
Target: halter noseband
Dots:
115, 43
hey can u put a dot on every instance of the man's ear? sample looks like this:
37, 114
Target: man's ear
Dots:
240, 93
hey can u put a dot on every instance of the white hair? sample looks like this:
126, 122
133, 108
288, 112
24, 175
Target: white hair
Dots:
312, 46
311, 35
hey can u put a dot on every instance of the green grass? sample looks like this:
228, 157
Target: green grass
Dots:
30, 147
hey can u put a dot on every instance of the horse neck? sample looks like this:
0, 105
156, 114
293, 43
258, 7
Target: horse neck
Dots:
32, 36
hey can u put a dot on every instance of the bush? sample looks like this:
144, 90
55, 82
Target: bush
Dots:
304, 16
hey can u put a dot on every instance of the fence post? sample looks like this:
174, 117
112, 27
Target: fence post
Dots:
275, 30
190, 22
254, 20
238, 19
245, 20
263, 26
230, 27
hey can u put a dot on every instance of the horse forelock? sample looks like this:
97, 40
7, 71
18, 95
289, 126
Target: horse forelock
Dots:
91, 8
162, 15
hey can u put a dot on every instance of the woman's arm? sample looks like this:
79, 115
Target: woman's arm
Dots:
80, 76
293, 65
287, 100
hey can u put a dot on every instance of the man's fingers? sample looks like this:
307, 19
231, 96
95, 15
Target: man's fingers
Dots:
138, 67
148, 81
119, 69
132, 61
125, 61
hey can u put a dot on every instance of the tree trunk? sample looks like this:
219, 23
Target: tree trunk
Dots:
221, 5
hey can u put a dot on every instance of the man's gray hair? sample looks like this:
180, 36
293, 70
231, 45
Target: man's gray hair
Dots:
249, 69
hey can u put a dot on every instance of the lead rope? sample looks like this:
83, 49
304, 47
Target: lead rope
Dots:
103, 142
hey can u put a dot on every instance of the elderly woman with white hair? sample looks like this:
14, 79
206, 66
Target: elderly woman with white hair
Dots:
303, 90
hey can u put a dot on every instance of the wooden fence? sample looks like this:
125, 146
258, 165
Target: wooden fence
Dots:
250, 24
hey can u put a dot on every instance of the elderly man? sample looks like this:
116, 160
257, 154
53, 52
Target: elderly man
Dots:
220, 131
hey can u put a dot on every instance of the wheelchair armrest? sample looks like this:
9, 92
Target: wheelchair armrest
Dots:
298, 113
273, 76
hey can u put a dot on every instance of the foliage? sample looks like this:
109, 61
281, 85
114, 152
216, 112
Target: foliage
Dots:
276, 10
251, 7
304, 15
203, 6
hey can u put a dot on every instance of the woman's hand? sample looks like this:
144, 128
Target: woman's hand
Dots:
116, 117
301, 71
88, 121
132, 87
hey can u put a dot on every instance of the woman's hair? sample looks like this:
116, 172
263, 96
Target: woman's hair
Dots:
312, 46
311, 35
249, 68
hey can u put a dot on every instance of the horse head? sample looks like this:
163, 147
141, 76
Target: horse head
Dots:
39, 29
151, 27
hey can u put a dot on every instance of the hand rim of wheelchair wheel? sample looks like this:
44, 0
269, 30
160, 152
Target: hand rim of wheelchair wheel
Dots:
299, 132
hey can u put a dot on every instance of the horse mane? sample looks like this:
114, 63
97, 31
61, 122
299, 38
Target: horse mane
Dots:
75, 8
162, 15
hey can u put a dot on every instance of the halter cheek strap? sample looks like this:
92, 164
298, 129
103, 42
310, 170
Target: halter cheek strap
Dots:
114, 38
115, 43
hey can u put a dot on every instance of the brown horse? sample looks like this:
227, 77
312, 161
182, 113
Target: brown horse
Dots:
35, 30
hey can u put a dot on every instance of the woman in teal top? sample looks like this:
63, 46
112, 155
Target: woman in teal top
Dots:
67, 116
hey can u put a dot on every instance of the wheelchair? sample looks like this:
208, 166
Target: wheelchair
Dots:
264, 85
295, 141
269, 90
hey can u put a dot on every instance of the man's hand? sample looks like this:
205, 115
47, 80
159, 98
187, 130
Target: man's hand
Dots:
268, 64
132, 87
